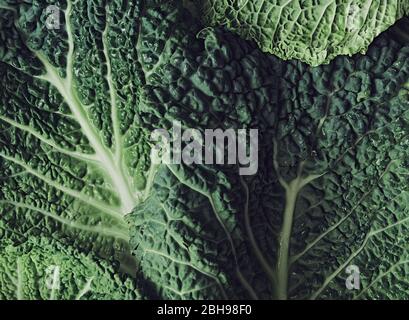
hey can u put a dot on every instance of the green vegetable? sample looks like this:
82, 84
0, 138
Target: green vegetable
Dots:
73, 157
81, 94
312, 31
46, 270
330, 193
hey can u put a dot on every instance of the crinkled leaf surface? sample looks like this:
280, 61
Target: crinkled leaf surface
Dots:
188, 235
332, 185
77, 103
42, 269
340, 154
73, 157
311, 31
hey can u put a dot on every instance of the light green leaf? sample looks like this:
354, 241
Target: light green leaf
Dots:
314, 32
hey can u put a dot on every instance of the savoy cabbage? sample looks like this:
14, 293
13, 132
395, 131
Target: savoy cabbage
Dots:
43, 269
331, 190
313, 31
80, 195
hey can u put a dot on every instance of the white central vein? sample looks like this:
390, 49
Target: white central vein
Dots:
65, 86
292, 190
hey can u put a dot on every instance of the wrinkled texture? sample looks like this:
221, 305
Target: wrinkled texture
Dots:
78, 190
314, 32
346, 126
331, 190
73, 158
72, 155
41, 269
